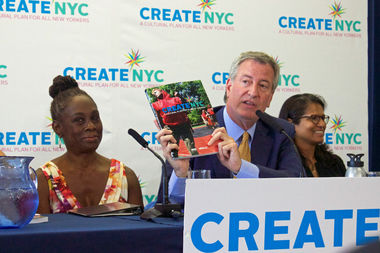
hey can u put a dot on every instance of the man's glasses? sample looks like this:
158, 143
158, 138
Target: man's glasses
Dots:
317, 118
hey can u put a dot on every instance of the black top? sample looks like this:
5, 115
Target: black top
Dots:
333, 166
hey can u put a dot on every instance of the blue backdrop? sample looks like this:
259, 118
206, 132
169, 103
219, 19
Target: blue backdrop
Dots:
373, 83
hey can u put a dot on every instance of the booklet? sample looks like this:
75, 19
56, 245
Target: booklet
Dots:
184, 108
109, 209
38, 218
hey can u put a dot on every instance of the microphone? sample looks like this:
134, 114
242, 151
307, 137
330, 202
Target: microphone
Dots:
138, 138
164, 209
270, 121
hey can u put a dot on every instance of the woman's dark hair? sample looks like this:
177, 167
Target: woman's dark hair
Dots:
295, 106
63, 89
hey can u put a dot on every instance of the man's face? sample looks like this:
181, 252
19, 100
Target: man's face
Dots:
251, 90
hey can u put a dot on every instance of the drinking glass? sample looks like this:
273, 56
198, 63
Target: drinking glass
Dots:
199, 174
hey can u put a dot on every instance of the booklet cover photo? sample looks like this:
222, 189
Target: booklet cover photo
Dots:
184, 108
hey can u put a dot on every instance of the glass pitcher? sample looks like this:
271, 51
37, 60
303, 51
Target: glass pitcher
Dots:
18, 192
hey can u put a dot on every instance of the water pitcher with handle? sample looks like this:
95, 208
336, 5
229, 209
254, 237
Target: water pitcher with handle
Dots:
18, 192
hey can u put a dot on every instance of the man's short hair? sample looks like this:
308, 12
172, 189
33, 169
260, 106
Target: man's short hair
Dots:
259, 57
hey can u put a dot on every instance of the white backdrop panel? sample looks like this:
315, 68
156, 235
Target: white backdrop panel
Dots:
98, 35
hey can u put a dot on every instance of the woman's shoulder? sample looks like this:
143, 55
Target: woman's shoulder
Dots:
339, 162
48, 165
328, 156
324, 154
49, 169
114, 162
336, 157
117, 163
331, 162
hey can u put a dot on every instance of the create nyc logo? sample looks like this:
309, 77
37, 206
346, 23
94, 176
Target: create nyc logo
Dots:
143, 185
202, 17
3, 71
129, 75
55, 138
3, 74
288, 82
147, 198
333, 25
342, 140
31, 140
54, 10
134, 58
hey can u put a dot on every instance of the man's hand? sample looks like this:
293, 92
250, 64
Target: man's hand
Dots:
168, 143
228, 152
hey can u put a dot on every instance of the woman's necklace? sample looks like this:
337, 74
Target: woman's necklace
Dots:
313, 169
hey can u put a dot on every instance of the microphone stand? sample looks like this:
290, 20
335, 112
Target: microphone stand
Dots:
164, 209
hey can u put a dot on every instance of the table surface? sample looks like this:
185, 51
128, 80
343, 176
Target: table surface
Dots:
73, 233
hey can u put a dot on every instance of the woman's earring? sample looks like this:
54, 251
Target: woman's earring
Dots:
60, 142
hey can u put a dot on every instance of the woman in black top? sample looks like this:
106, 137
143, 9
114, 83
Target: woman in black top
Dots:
306, 112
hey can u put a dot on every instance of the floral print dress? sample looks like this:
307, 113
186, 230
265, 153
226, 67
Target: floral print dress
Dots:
62, 199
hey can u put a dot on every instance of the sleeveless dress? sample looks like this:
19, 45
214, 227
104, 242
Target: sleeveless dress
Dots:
62, 199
